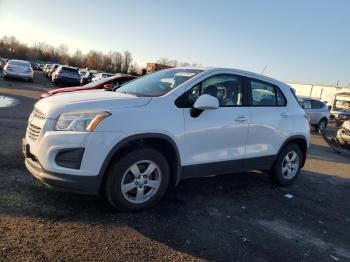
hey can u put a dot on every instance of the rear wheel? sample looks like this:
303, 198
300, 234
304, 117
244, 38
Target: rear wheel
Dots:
287, 166
138, 180
322, 124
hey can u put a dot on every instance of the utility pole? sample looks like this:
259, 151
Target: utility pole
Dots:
262, 72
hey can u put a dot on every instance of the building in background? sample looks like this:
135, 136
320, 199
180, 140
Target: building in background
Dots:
325, 93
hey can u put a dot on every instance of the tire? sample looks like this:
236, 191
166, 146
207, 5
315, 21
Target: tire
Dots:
119, 173
280, 170
322, 124
31, 80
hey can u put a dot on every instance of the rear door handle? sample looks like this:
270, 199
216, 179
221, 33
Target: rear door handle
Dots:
241, 119
284, 114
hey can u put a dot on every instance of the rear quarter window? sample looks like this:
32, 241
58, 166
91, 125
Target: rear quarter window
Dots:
265, 94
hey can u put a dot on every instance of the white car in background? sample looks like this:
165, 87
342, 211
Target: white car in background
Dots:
18, 69
100, 76
316, 110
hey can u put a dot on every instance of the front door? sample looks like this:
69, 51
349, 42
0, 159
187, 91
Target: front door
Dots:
216, 135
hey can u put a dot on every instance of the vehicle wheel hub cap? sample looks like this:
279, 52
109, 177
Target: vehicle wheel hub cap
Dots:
290, 165
141, 181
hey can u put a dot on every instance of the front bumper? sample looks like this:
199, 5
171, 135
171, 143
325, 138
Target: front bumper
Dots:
88, 185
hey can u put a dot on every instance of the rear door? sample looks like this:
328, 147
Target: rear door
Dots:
269, 122
307, 106
318, 111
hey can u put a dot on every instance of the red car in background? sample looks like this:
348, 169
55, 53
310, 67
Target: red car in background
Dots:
107, 83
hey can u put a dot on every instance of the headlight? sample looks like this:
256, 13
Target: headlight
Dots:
80, 121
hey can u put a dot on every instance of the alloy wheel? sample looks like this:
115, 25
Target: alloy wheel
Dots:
290, 165
141, 181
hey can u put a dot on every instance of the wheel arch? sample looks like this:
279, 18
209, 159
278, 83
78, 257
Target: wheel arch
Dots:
300, 141
161, 142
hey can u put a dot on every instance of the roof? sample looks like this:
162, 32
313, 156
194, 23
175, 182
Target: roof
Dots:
237, 71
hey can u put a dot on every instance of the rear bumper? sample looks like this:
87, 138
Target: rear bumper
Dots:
18, 75
87, 185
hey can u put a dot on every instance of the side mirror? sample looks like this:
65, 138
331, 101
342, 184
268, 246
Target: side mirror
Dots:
204, 102
302, 106
107, 87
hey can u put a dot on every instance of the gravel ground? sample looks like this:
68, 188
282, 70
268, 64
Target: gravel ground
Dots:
240, 217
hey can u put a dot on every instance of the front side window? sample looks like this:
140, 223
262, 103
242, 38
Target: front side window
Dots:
228, 89
159, 83
265, 94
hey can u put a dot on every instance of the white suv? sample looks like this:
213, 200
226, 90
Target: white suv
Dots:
132, 143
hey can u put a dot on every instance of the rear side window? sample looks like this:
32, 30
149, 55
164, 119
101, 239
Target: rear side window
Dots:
265, 94
316, 104
306, 104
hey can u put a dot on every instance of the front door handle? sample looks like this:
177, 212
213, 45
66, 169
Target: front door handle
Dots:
284, 114
241, 119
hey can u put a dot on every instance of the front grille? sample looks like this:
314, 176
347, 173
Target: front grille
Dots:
33, 132
38, 114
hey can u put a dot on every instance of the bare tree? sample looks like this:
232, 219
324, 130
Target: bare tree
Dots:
127, 60
62, 52
117, 61
77, 58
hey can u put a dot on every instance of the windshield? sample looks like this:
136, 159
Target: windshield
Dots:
98, 82
159, 83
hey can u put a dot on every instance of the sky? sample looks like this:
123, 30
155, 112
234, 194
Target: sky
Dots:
305, 41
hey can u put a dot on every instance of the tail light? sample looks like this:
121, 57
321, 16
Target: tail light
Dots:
29, 70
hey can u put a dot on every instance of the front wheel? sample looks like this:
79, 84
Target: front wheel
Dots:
287, 166
138, 180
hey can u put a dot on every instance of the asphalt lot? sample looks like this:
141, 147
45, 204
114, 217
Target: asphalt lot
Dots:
240, 217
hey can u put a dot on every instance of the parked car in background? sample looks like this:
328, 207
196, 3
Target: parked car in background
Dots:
51, 70
340, 108
316, 110
18, 69
40, 67
151, 133
2, 63
108, 83
66, 75
99, 76
86, 78
46, 69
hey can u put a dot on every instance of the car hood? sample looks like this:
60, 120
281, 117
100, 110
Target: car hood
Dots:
54, 106
341, 111
69, 89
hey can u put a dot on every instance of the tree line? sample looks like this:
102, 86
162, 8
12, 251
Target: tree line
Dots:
113, 61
